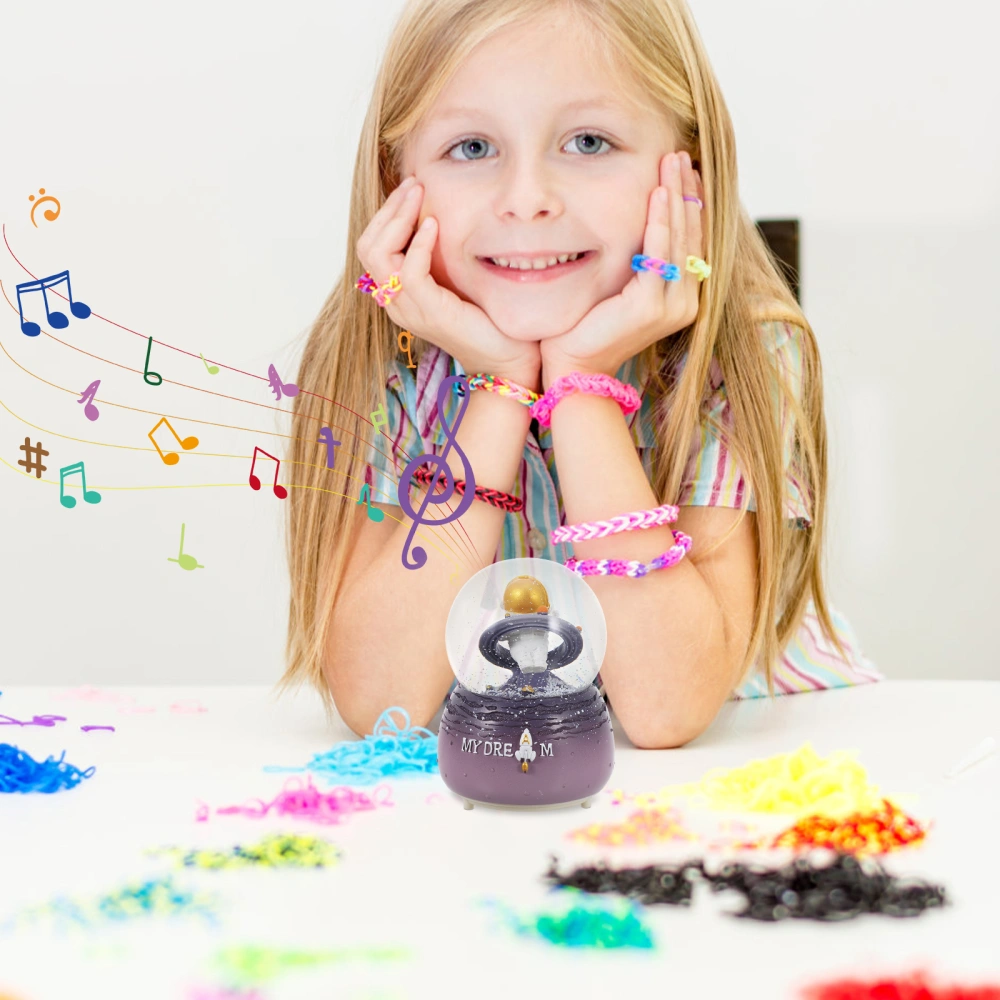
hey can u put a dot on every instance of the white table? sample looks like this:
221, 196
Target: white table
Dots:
413, 875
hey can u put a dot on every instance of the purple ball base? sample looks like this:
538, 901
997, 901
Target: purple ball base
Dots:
572, 739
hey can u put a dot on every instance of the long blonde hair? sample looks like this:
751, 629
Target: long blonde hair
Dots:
655, 45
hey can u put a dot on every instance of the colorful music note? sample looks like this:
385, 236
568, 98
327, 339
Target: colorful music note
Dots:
91, 411
379, 417
214, 370
326, 437
374, 514
48, 213
56, 319
171, 457
183, 560
91, 496
289, 388
439, 464
279, 491
406, 346
146, 373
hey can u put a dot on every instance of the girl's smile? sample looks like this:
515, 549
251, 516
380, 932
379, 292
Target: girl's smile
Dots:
547, 268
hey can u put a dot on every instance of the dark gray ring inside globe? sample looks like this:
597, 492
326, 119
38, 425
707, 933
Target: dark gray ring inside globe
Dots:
567, 652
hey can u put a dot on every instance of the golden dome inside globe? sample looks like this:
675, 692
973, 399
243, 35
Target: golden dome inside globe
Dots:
525, 595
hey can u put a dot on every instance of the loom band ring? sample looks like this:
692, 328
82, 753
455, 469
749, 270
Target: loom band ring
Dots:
696, 200
696, 266
666, 270
388, 290
561, 656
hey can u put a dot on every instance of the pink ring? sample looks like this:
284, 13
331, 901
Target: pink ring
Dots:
689, 197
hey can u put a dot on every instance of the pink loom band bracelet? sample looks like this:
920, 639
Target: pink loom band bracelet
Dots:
619, 567
636, 521
597, 385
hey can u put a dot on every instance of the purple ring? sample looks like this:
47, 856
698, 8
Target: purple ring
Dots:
689, 197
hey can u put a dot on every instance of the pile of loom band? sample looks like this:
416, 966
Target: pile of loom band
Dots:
20, 772
278, 850
913, 987
645, 826
390, 751
310, 803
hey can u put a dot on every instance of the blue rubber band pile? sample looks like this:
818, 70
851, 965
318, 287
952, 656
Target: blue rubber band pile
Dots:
20, 772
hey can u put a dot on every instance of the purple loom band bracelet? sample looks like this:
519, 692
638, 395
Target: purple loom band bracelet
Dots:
619, 567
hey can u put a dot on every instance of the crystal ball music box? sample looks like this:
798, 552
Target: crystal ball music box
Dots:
526, 724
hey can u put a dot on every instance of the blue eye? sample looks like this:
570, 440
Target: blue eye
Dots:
475, 141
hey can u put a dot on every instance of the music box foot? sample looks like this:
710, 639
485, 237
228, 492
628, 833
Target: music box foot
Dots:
466, 804
585, 804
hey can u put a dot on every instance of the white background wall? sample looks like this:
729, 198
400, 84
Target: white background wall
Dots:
202, 155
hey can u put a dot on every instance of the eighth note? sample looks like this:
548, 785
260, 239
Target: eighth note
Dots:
91, 411
379, 417
279, 491
147, 375
374, 514
56, 319
90, 496
289, 388
214, 370
406, 347
183, 560
171, 457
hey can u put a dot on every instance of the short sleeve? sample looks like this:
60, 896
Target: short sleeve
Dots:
712, 477
399, 441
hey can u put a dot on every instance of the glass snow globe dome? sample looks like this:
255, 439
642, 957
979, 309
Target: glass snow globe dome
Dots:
525, 725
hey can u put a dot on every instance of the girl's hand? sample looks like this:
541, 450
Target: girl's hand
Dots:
648, 308
422, 306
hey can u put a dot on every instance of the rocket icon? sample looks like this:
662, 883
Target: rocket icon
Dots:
524, 751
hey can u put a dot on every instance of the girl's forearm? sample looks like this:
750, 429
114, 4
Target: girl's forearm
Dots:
666, 668
387, 641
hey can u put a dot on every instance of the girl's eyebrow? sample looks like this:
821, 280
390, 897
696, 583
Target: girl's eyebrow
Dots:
598, 102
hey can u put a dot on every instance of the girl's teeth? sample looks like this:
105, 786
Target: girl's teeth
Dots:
523, 264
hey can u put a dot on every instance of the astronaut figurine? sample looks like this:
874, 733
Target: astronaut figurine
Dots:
525, 595
524, 751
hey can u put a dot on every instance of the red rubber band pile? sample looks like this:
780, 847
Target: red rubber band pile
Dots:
861, 833
914, 987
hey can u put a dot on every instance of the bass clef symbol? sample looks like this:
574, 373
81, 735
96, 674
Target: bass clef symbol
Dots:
439, 465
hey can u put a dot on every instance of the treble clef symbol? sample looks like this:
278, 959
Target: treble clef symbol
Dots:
439, 465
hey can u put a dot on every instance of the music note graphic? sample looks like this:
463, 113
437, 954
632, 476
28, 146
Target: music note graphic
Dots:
213, 370
183, 560
374, 514
91, 411
171, 457
147, 375
289, 388
56, 319
379, 417
91, 496
406, 347
279, 491
439, 465
326, 437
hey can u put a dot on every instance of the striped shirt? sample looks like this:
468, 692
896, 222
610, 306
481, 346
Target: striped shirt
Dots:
711, 478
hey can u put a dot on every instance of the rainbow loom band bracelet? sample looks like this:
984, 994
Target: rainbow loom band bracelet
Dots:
637, 520
504, 387
624, 395
666, 270
619, 567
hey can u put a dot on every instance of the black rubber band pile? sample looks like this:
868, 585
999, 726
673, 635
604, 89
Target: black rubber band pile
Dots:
801, 889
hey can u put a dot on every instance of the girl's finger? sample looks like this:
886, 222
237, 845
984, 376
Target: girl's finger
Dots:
385, 213
692, 215
386, 252
678, 222
656, 239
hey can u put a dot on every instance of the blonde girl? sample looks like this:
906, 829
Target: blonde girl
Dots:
516, 154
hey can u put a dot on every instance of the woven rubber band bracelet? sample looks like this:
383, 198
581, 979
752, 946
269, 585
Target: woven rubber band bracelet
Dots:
619, 567
495, 498
503, 387
636, 521
381, 293
624, 395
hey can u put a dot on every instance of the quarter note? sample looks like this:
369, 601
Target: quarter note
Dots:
279, 491
289, 388
147, 375
183, 560
91, 411
326, 437
55, 319
406, 347
90, 496
374, 514
171, 457
213, 370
